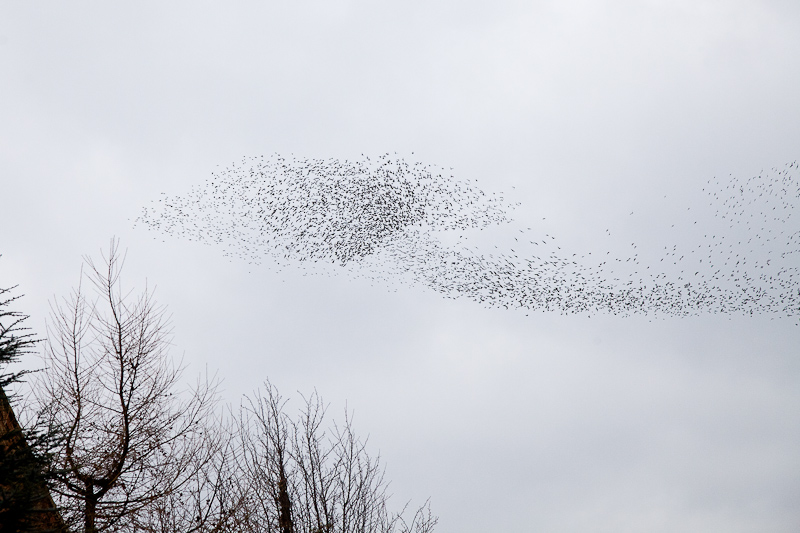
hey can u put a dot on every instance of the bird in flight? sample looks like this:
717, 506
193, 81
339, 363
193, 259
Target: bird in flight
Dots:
388, 219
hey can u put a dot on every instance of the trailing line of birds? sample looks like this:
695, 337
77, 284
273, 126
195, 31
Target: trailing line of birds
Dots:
392, 220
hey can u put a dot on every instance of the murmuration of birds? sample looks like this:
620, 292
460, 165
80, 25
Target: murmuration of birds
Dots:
388, 219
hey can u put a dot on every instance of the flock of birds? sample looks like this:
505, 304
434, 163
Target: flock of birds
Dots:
391, 220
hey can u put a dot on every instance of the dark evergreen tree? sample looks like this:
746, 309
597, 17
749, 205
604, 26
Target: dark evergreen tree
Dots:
25, 502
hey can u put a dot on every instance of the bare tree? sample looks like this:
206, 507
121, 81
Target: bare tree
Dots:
264, 461
305, 478
211, 501
138, 455
134, 445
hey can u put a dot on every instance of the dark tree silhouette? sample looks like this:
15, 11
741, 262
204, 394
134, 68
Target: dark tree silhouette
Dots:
25, 501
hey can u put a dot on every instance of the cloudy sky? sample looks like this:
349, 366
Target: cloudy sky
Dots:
583, 112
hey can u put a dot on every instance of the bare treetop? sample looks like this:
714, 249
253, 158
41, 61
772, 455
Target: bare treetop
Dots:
131, 436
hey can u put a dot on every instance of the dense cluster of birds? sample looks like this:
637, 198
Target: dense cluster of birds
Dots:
388, 219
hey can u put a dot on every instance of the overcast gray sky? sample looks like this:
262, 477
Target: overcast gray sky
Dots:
581, 111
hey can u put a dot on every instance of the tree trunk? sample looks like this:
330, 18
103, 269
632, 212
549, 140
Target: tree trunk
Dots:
284, 503
91, 512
